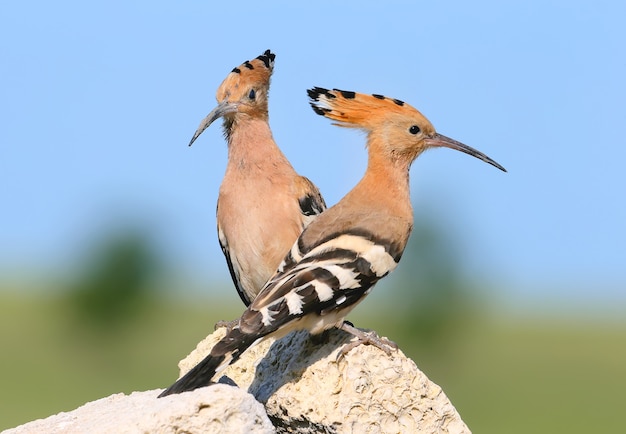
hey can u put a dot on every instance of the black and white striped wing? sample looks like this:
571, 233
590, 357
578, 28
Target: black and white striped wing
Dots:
320, 286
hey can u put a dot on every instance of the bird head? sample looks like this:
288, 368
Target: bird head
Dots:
396, 129
243, 92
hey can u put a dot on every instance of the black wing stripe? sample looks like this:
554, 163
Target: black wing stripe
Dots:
235, 275
310, 205
393, 248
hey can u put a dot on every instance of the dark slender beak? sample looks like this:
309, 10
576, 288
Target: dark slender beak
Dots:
446, 142
222, 109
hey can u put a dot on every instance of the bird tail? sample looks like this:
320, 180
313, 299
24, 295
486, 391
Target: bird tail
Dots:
353, 109
224, 353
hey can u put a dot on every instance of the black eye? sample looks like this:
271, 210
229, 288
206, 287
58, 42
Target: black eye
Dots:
414, 129
252, 94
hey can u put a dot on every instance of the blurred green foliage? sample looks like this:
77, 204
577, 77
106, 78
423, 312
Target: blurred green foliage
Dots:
435, 297
111, 331
114, 282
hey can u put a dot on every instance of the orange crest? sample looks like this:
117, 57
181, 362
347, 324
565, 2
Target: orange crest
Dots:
254, 73
358, 110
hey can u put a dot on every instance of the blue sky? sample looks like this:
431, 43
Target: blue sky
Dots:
99, 100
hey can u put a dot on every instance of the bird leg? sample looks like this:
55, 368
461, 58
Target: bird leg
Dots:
362, 337
228, 324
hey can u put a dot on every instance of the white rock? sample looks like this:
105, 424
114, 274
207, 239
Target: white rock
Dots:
220, 408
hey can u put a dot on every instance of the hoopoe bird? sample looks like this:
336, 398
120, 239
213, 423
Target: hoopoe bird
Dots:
263, 204
341, 255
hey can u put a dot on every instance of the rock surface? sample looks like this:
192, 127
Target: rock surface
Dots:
215, 409
302, 382
307, 388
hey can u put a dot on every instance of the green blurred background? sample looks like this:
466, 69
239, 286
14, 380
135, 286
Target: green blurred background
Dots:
122, 322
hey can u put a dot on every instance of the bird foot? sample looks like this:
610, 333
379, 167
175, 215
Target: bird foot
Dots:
362, 337
228, 324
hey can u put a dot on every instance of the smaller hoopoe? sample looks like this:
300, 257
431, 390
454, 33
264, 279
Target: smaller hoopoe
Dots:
263, 204
341, 255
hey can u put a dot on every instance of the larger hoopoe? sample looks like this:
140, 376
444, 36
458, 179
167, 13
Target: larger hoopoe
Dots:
341, 255
263, 204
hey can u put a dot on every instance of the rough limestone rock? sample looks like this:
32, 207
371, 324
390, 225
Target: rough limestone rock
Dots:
307, 388
217, 409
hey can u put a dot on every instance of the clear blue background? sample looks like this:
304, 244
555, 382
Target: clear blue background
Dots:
98, 101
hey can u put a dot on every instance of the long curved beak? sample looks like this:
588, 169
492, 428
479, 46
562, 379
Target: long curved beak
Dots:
439, 140
222, 109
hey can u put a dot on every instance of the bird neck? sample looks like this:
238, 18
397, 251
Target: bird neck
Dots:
386, 181
379, 205
251, 144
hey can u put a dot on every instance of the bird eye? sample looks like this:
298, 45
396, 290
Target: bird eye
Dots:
252, 94
414, 129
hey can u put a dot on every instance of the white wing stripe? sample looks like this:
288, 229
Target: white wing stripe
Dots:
323, 291
294, 302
